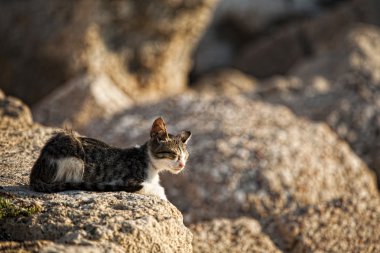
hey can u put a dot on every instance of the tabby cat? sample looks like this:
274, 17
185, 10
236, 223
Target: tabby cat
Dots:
72, 162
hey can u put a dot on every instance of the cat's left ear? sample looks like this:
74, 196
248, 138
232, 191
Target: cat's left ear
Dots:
185, 136
159, 129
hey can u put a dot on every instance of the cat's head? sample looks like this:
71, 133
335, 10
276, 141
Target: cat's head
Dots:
168, 151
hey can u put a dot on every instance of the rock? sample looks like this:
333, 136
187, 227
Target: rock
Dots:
272, 55
225, 82
80, 101
134, 222
265, 13
339, 225
77, 221
223, 235
234, 24
341, 88
284, 48
279, 35
20, 140
143, 48
49, 247
246, 157
13, 112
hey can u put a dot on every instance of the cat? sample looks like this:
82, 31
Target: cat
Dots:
72, 162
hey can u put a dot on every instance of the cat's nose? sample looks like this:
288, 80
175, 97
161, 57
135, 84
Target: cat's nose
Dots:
181, 164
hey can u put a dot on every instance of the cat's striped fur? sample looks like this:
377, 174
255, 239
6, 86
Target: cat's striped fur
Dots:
72, 162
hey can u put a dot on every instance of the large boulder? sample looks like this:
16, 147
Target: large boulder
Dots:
133, 222
143, 47
74, 221
246, 157
341, 88
79, 102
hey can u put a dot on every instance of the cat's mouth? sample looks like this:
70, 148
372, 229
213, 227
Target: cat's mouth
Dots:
178, 169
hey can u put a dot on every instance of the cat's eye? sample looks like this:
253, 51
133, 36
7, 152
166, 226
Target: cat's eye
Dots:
166, 154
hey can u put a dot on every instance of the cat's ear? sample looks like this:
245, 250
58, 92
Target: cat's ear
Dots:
185, 136
159, 129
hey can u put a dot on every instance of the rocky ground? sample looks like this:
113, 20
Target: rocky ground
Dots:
86, 222
282, 164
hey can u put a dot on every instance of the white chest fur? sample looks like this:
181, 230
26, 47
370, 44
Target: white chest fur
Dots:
152, 185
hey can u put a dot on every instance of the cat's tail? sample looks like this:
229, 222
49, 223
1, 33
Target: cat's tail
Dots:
41, 186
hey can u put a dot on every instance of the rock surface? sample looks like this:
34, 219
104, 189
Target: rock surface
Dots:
85, 221
133, 222
13, 112
341, 88
144, 48
225, 82
223, 235
49, 247
20, 141
82, 100
339, 225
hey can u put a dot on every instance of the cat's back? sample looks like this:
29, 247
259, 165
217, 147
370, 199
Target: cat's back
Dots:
63, 144
68, 144
89, 143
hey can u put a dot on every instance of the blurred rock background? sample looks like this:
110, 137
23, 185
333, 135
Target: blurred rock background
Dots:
282, 97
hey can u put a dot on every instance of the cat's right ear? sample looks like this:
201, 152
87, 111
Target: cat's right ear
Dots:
159, 129
185, 136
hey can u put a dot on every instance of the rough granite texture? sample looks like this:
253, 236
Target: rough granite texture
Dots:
20, 141
340, 87
224, 235
134, 222
44, 246
341, 225
76, 221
